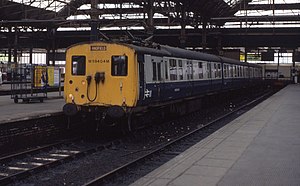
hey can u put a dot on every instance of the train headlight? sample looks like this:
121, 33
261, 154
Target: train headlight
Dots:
83, 82
71, 97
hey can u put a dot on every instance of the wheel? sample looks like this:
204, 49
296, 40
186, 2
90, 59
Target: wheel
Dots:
41, 100
16, 99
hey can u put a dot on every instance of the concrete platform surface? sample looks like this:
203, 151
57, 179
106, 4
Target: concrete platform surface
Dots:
10, 111
261, 147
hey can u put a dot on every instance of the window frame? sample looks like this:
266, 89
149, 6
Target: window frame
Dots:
72, 63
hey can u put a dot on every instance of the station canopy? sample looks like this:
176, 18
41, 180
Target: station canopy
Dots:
135, 13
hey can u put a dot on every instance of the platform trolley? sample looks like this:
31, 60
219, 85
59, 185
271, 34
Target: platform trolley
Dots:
26, 84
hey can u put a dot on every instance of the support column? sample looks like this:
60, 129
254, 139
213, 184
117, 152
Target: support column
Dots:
9, 54
219, 46
16, 47
150, 20
30, 55
48, 56
204, 43
295, 74
182, 37
53, 33
94, 25
278, 63
9, 46
246, 55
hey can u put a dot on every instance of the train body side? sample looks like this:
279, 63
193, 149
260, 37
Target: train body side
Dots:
168, 79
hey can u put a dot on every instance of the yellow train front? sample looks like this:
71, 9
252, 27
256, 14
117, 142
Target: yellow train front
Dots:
100, 78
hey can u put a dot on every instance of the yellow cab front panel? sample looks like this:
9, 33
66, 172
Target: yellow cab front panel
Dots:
114, 66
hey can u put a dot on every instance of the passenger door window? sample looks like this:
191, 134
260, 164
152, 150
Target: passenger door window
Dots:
156, 69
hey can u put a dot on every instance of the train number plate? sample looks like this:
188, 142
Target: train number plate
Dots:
98, 48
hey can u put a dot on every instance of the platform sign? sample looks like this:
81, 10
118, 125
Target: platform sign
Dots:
50, 74
38, 70
56, 77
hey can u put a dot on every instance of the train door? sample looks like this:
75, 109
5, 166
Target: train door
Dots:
154, 77
209, 75
142, 81
189, 76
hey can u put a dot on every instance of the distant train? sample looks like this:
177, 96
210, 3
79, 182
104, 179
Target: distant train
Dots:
116, 80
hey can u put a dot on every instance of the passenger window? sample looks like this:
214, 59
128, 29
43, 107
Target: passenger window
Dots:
219, 70
180, 70
215, 70
189, 66
173, 69
200, 70
78, 65
159, 71
209, 70
166, 70
231, 70
119, 65
154, 78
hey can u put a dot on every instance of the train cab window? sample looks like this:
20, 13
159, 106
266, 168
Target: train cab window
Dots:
78, 65
119, 65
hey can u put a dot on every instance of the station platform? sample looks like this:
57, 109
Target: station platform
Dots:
261, 147
11, 111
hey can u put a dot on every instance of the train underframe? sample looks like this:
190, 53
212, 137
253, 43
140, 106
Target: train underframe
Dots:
129, 119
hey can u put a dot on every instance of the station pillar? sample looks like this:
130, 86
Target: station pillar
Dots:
204, 42
150, 20
182, 37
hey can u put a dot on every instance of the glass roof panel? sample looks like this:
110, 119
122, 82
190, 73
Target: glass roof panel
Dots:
52, 5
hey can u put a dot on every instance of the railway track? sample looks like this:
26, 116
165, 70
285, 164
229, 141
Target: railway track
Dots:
20, 165
98, 163
191, 137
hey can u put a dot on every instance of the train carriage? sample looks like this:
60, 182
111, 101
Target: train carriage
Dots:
117, 79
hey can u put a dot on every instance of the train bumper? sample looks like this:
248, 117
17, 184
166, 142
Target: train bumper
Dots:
70, 109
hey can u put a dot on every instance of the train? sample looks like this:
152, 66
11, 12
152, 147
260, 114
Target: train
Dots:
114, 81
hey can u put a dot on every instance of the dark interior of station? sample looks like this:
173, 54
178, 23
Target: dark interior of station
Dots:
149, 92
239, 29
